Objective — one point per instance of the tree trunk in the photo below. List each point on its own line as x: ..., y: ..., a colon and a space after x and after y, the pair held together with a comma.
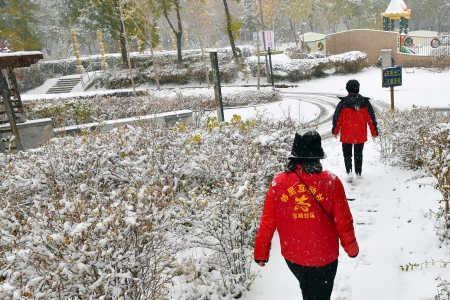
x: 311, y: 24
x: 123, y: 44
x: 177, y: 32
x: 294, y: 33
x: 179, y: 36
x: 229, y: 29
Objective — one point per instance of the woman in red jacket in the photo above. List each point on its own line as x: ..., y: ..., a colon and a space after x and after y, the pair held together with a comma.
x: 308, y: 208
x: 353, y: 113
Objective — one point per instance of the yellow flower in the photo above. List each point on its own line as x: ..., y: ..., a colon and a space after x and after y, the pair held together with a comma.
x: 236, y: 119
x: 182, y: 127
x: 195, y: 139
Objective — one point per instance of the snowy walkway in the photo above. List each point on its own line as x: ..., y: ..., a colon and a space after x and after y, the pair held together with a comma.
x: 392, y: 230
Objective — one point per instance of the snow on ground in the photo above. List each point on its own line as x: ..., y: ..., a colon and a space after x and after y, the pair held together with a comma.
x: 29, y: 96
x: 421, y: 87
x: 276, y: 111
x: 41, y: 91
x: 172, y: 91
x: 392, y: 228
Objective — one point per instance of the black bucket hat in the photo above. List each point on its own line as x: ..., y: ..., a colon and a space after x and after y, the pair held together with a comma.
x: 308, y: 145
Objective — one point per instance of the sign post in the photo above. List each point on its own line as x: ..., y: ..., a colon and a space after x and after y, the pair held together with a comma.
x: 269, y: 36
x: 392, y: 77
x: 270, y: 66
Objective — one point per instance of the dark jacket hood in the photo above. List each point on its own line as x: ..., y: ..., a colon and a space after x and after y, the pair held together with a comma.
x: 354, y: 101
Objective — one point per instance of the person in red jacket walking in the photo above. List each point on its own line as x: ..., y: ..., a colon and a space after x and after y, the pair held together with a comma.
x: 309, y: 209
x: 353, y: 113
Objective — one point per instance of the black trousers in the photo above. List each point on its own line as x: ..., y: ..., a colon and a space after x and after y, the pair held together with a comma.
x: 347, y: 149
x: 316, y: 283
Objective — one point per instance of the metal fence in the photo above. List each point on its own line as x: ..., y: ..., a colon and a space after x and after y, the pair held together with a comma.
x: 425, y: 46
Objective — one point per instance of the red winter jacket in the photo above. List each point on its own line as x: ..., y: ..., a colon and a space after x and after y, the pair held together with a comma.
x: 308, y: 231
x: 352, y: 115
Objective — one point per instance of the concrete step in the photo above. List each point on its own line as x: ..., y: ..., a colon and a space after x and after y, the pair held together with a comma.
x: 64, y: 85
x: 68, y: 82
x: 58, y: 92
x: 71, y: 80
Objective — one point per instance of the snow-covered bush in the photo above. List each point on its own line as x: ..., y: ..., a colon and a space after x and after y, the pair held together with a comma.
x: 443, y: 289
x: 121, y: 214
x: 66, y: 112
x: 402, y: 134
x: 139, y: 60
x: 437, y: 147
x: 421, y: 138
x: 78, y: 223
x: 36, y: 75
x: 199, y: 72
x: 297, y: 53
x: 300, y: 69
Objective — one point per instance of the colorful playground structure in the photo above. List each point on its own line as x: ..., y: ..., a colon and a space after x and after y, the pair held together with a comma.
x: 425, y: 43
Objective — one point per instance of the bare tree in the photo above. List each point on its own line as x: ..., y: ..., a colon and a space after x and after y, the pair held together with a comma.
x: 167, y: 6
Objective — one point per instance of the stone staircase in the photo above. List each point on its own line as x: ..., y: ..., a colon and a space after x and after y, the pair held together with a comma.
x: 64, y: 85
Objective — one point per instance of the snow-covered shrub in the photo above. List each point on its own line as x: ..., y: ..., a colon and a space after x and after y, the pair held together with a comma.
x: 402, y: 133
x: 300, y: 69
x: 63, y: 67
x: 199, y: 72
x: 421, y: 138
x: 223, y: 212
x: 77, y: 222
x: 437, y: 147
x: 296, y: 53
x: 350, y: 62
x: 36, y: 75
x: 251, y: 97
x: 120, y: 215
x: 443, y: 289
x: 66, y: 112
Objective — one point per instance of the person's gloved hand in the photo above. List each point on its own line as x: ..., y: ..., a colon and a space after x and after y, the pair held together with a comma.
x: 353, y: 256
x: 261, y: 263
x: 352, y: 250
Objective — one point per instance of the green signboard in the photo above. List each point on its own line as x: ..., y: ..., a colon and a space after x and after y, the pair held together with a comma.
x: 392, y: 76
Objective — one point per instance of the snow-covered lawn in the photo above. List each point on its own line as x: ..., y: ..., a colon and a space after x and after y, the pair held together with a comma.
x: 71, y: 111
x: 393, y: 226
x: 277, y: 111
x: 421, y: 87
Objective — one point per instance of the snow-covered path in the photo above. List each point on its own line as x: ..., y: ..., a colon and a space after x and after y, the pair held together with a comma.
x: 392, y: 228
